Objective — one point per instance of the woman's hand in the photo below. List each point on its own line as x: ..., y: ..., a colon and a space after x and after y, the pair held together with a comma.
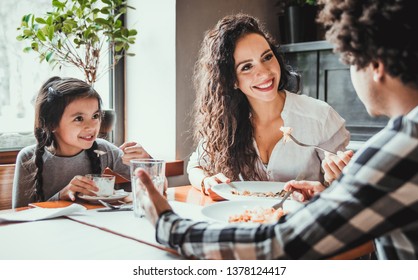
x: 333, y: 165
x: 132, y: 150
x: 153, y: 203
x: 209, y: 182
x: 79, y: 184
x: 303, y: 190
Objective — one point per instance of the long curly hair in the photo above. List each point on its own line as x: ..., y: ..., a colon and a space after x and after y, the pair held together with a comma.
x: 375, y: 30
x: 222, y: 113
x: 53, y: 97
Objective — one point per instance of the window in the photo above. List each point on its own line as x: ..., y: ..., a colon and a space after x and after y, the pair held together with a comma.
x: 21, y: 76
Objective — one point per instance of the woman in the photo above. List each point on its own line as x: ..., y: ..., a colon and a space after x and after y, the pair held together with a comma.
x: 243, y: 100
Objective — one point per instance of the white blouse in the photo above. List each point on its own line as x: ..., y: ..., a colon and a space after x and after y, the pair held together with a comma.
x: 313, y: 122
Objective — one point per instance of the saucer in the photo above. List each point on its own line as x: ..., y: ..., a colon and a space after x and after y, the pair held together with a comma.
x: 113, y: 198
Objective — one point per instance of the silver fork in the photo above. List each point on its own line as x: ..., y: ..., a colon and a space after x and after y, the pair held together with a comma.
x: 280, y: 204
x: 110, y: 207
x: 306, y: 145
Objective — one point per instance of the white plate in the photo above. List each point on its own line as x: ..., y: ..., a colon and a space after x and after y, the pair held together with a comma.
x: 221, y: 211
x: 120, y: 194
x: 225, y: 190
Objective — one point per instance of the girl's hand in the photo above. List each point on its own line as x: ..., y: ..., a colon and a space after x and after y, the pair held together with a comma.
x: 79, y: 184
x: 132, y: 150
x: 333, y: 165
x: 209, y: 182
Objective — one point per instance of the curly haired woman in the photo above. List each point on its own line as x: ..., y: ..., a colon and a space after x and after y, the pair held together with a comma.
x: 243, y: 98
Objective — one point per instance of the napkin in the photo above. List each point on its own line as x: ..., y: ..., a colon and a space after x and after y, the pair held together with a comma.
x: 36, y: 214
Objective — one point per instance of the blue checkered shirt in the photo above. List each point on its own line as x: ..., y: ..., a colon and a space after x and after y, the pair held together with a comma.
x: 376, y: 199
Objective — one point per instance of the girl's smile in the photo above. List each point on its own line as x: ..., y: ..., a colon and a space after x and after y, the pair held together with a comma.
x: 79, y: 127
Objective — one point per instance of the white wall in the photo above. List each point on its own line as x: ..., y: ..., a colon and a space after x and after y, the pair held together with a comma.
x: 151, y: 78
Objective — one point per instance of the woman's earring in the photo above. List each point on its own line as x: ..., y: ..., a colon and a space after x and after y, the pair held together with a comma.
x: 376, y: 77
x: 235, y: 87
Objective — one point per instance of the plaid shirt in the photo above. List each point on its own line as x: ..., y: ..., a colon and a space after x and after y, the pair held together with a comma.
x: 375, y: 198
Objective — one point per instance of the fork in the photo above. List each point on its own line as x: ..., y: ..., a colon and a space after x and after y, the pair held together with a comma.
x: 108, y: 205
x: 280, y: 204
x: 100, y: 152
x: 306, y: 145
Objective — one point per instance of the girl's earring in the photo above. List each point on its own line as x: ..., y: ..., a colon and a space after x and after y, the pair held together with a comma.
x: 235, y: 87
x: 376, y: 77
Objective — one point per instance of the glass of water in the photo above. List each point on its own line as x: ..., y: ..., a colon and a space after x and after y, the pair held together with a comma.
x: 156, y: 170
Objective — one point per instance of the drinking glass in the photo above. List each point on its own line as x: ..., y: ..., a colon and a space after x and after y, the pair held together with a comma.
x: 156, y: 170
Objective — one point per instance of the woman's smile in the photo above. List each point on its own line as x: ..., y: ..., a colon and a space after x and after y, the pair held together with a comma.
x: 265, y: 86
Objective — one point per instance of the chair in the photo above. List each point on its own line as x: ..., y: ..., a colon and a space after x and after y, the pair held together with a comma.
x: 6, y: 185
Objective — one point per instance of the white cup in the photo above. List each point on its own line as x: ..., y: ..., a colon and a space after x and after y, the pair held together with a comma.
x: 156, y: 170
x: 105, y: 183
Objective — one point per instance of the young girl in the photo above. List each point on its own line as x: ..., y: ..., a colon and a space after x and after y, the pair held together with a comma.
x: 243, y: 98
x: 67, y: 122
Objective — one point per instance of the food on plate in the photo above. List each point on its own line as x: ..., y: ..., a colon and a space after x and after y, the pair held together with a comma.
x: 259, y: 194
x: 286, y: 132
x: 258, y: 215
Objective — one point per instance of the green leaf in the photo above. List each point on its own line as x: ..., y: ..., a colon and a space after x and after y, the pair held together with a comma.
x: 125, y: 32
x: 48, y: 56
x: 50, y: 32
x: 40, y: 20
x: 27, y: 49
x: 71, y: 22
x: 34, y: 46
x: 118, y: 47
x: 101, y: 21
x: 41, y: 36
x: 49, y: 20
x: 26, y: 18
x: 27, y: 32
x: 130, y: 54
x: 105, y: 11
x: 133, y: 32
x: 58, y: 4
x: 41, y: 57
x: 79, y: 13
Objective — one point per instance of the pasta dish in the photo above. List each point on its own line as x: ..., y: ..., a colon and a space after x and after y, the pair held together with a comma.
x: 259, y: 194
x: 258, y: 215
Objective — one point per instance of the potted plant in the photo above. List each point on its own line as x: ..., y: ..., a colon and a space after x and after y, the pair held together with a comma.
x: 298, y: 20
x: 80, y: 33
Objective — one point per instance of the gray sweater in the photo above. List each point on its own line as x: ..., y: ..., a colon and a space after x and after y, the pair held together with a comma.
x: 59, y: 171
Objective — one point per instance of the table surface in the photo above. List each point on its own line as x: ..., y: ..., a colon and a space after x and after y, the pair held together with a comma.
x: 91, y: 234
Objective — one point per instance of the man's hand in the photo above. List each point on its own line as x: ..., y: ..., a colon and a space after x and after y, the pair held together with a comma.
x: 150, y: 198
x: 303, y: 190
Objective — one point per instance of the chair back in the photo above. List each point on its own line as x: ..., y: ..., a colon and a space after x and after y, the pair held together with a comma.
x: 7, y: 172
